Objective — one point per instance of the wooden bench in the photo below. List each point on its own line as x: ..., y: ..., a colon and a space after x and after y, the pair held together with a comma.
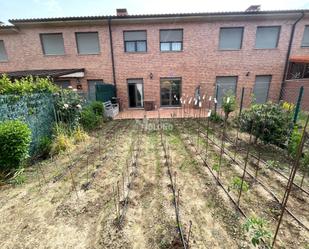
x: 110, y: 110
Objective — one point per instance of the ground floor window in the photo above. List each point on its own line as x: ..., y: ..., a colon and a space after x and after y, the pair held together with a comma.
x: 92, y: 88
x: 225, y: 85
x: 63, y: 83
x: 170, y: 91
x: 261, y: 87
x: 298, y: 71
x: 136, y: 93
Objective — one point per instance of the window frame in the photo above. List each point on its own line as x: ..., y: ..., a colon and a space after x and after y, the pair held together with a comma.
x: 127, y: 81
x: 301, y: 45
x: 180, y: 93
x: 171, y: 42
x: 135, y: 41
x: 241, y: 41
x: 87, y: 32
x: 42, y: 44
x: 271, y: 26
x: 304, y: 65
x: 5, y: 53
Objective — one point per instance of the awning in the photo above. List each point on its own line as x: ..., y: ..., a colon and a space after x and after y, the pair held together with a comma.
x: 53, y: 73
x: 300, y: 58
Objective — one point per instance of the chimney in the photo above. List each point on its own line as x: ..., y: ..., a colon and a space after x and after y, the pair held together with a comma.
x: 253, y: 8
x: 122, y: 12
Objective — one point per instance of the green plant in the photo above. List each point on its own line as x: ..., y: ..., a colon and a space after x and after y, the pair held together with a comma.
x: 257, y: 230
x: 15, y: 138
x: 304, y: 164
x: 268, y: 122
x: 214, y: 117
x: 79, y: 135
x: 68, y: 105
x: 26, y: 85
x: 294, y: 142
x: 18, y: 177
x: 61, y: 139
x: 228, y: 104
x: 97, y: 107
x: 89, y: 120
x: 44, y: 147
x: 236, y: 184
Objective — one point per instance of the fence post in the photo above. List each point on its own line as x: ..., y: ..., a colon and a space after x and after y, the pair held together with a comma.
x: 241, y: 100
x: 216, y: 104
x: 297, y: 108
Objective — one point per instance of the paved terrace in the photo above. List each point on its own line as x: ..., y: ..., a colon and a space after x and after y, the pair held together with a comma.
x: 163, y: 112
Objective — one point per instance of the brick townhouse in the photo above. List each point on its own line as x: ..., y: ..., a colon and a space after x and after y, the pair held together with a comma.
x: 162, y: 57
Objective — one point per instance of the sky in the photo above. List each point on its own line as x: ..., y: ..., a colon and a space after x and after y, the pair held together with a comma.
x: 14, y: 9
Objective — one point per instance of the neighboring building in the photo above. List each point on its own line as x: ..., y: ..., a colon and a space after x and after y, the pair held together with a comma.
x: 163, y: 57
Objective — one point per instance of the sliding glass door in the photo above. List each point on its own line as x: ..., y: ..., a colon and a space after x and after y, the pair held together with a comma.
x: 170, y: 91
x: 136, y: 93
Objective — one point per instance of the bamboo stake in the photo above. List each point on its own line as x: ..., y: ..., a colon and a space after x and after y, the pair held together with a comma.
x: 189, y: 234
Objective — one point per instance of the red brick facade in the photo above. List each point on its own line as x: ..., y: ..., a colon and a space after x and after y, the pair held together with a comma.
x: 198, y: 64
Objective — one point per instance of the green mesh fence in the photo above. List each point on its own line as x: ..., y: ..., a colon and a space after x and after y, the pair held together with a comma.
x: 37, y: 110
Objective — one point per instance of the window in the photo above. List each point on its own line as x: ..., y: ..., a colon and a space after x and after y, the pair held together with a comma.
x: 171, y: 40
x: 3, y: 54
x: 92, y: 88
x: 230, y: 38
x: 63, y: 83
x: 267, y: 37
x: 305, y: 41
x: 170, y: 91
x: 87, y: 43
x: 52, y: 44
x: 225, y: 85
x: 261, y: 87
x: 135, y: 41
x: 298, y: 71
x: 135, y: 91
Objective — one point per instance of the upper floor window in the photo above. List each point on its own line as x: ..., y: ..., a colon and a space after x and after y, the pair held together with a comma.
x: 305, y: 41
x: 87, y: 42
x: 267, y: 37
x: 171, y: 40
x: 52, y: 44
x: 231, y: 38
x: 3, y: 54
x: 298, y: 71
x: 135, y: 41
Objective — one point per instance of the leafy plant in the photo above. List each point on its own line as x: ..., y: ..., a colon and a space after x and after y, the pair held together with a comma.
x: 304, y: 164
x: 89, y: 120
x: 268, y: 122
x: 44, y: 147
x: 15, y: 138
x: 236, y: 184
x: 228, y: 104
x: 68, y: 104
x: 294, y: 142
x: 97, y: 107
x: 26, y: 85
x: 214, y: 117
x: 257, y: 230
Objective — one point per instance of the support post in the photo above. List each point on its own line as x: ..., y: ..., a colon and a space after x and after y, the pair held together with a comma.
x: 297, y: 108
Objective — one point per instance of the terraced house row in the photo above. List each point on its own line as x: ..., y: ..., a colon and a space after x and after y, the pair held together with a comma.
x: 159, y: 58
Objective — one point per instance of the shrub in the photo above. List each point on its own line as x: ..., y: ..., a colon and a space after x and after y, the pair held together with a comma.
x: 271, y: 122
x: 44, y: 147
x: 89, y: 120
x: 15, y: 138
x: 68, y: 104
x: 26, y: 85
x: 228, y: 104
x: 214, y: 117
x: 97, y: 108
